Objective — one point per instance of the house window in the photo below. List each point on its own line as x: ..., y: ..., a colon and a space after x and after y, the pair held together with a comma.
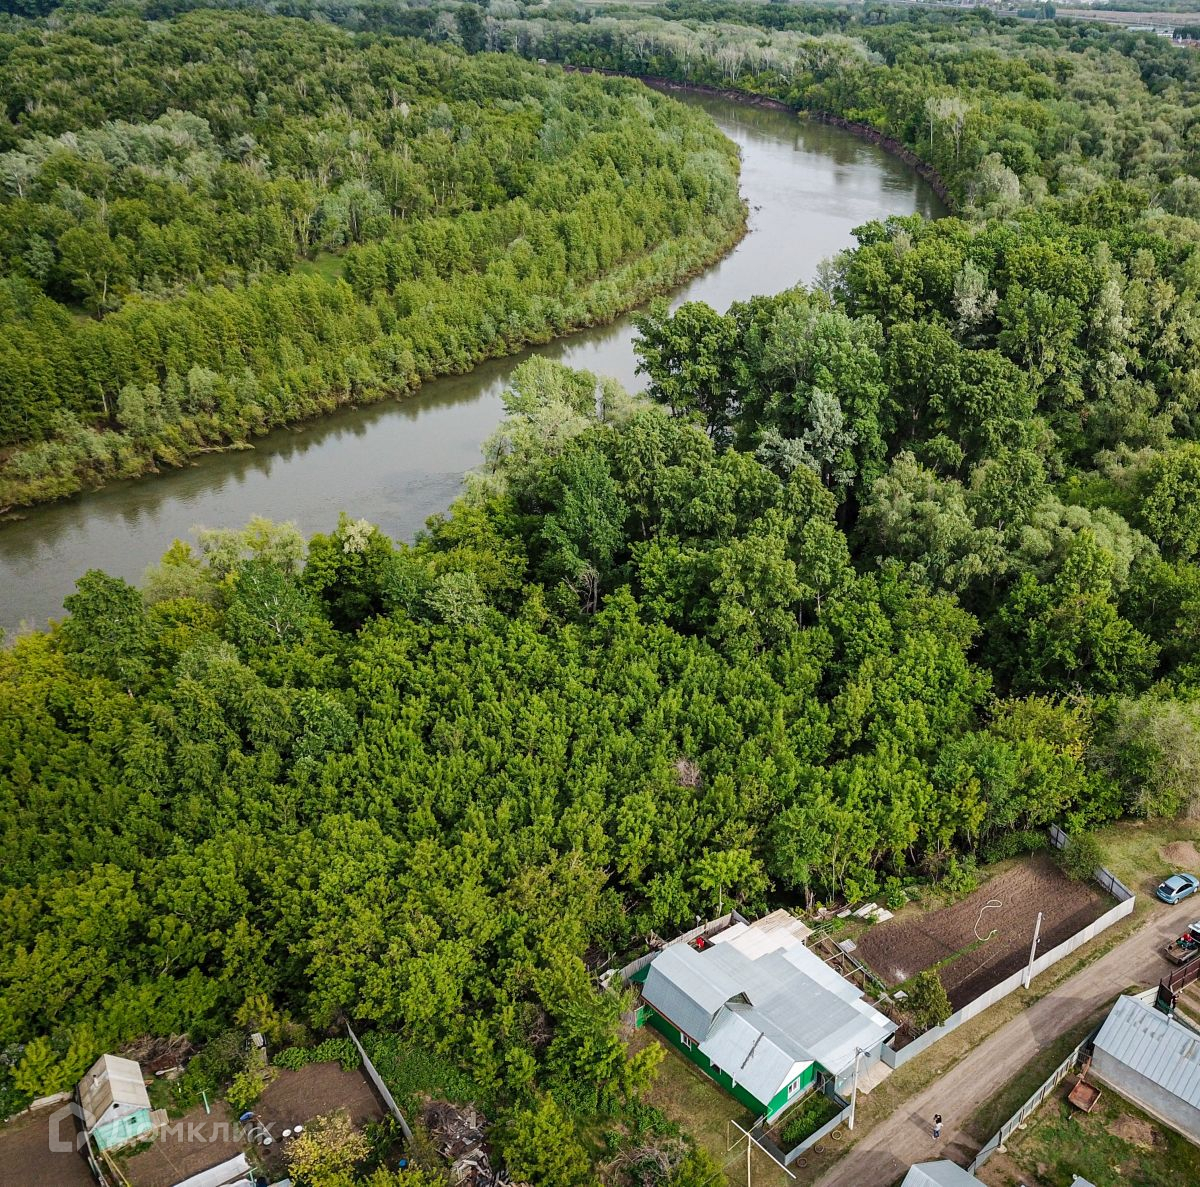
x: 794, y: 1087
x: 685, y: 1041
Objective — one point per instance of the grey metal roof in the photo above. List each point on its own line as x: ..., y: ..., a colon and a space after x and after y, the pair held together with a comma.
x: 939, y: 1174
x: 802, y: 1008
x: 739, y: 1046
x: 687, y: 994
x: 1154, y: 1046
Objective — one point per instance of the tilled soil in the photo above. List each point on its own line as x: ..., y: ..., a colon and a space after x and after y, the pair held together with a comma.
x: 1007, y: 905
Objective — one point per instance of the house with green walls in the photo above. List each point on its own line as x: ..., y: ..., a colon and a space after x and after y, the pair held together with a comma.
x: 114, y: 1101
x: 762, y: 1015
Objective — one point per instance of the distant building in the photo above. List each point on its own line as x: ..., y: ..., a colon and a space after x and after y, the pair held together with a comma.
x: 1153, y: 1061
x: 939, y: 1174
x: 116, y: 1108
x: 763, y: 1016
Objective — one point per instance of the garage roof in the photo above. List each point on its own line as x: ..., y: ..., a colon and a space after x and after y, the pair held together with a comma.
x: 1154, y: 1046
x: 939, y: 1174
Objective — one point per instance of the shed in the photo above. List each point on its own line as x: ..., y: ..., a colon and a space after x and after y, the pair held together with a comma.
x: 116, y: 1108
x: 943, y: 1173
x: 1153, y: 1061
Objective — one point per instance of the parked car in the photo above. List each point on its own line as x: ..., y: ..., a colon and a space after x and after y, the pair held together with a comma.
x: 1177, y: 887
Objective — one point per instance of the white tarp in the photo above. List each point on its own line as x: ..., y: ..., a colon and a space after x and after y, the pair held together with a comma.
x: 237, y: 1169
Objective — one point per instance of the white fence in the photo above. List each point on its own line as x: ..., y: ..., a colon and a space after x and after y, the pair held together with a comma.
x: 380, y: 1086
x: 1059, y: 1074
x: 1125, y: 903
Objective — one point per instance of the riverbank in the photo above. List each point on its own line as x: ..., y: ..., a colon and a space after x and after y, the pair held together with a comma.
x: 105, y: 455
x: 867, y: 132
x: 397, y: 462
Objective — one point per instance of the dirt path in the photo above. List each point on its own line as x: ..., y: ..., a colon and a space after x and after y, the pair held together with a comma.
x: 882, y: 1156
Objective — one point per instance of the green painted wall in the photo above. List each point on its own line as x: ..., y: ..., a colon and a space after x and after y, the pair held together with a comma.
x: 770, y: 1108
x: 722, y: 1078
x: 109, y: 1134
x: 781, y: 1100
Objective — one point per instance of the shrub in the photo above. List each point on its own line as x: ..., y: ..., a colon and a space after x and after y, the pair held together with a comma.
x: 928, y: 1002
x: 1079, y: 857
x: 247, y: 1087
x: 894, y: 894
x: 343, y: 1050
x: 1013, y: 844
x: 961, y: 878
x: 806, y: 1118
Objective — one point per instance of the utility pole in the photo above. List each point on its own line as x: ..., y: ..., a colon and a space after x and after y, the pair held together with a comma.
x: 751, y: 1140
x: 1033, y: 950
x: 854, y: 1090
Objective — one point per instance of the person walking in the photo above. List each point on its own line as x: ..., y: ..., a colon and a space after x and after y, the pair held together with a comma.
x: 937, y: 1126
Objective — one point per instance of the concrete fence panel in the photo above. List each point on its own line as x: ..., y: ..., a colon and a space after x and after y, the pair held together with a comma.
x: 380, y: 1087
x: 1125, y: 904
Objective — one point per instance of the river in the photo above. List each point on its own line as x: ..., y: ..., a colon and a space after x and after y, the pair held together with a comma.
x: 399, y: 462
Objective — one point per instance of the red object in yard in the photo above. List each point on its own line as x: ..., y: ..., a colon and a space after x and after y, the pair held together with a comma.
x: 701, y: 943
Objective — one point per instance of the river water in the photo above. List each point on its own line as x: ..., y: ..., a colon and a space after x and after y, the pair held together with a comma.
x: 399, y: 462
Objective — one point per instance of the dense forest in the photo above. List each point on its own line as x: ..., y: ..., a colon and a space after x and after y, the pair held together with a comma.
x: 880, y: 579
x: 223, y: 223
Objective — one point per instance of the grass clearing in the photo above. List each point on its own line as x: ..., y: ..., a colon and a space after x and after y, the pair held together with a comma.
x: 1132, y: 850
x: 690, y: 1099
x: 325, y: 264
x: 986, y: 1120
x: 1115, y: 1145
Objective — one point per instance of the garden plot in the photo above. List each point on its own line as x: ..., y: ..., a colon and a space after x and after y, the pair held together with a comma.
x: 978, y: 942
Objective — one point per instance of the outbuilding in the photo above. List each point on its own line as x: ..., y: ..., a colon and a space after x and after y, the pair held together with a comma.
x: 115, y: 1105
x: 1153, y: 1061
x: 943, y: 1173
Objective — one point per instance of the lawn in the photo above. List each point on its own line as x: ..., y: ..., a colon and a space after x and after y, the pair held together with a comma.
x: 697, y: 1105
x: 1142, y: 853
x: 1116, y: 1145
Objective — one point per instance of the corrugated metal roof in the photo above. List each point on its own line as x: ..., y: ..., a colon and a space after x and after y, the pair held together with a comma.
x: 230, y: 1173
x: 740, y: 1048
x: 1154, y: 1046
x: 790, y: 996
x: 939, y: 1174
x: 112, y: 1088
x: 690, y: 994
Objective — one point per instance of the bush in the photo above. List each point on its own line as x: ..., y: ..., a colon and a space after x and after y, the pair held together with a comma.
x: 807, y: 1118
x: 961, y: 878
x: 928, y: 1002
x: 894, y: 894
x: 1079, y: 857
x: 1013, y: 844
x: 343, y: 1050
x: 247, y: 1087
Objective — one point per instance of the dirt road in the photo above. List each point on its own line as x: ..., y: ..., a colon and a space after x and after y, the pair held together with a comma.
x: 882, y: 1156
